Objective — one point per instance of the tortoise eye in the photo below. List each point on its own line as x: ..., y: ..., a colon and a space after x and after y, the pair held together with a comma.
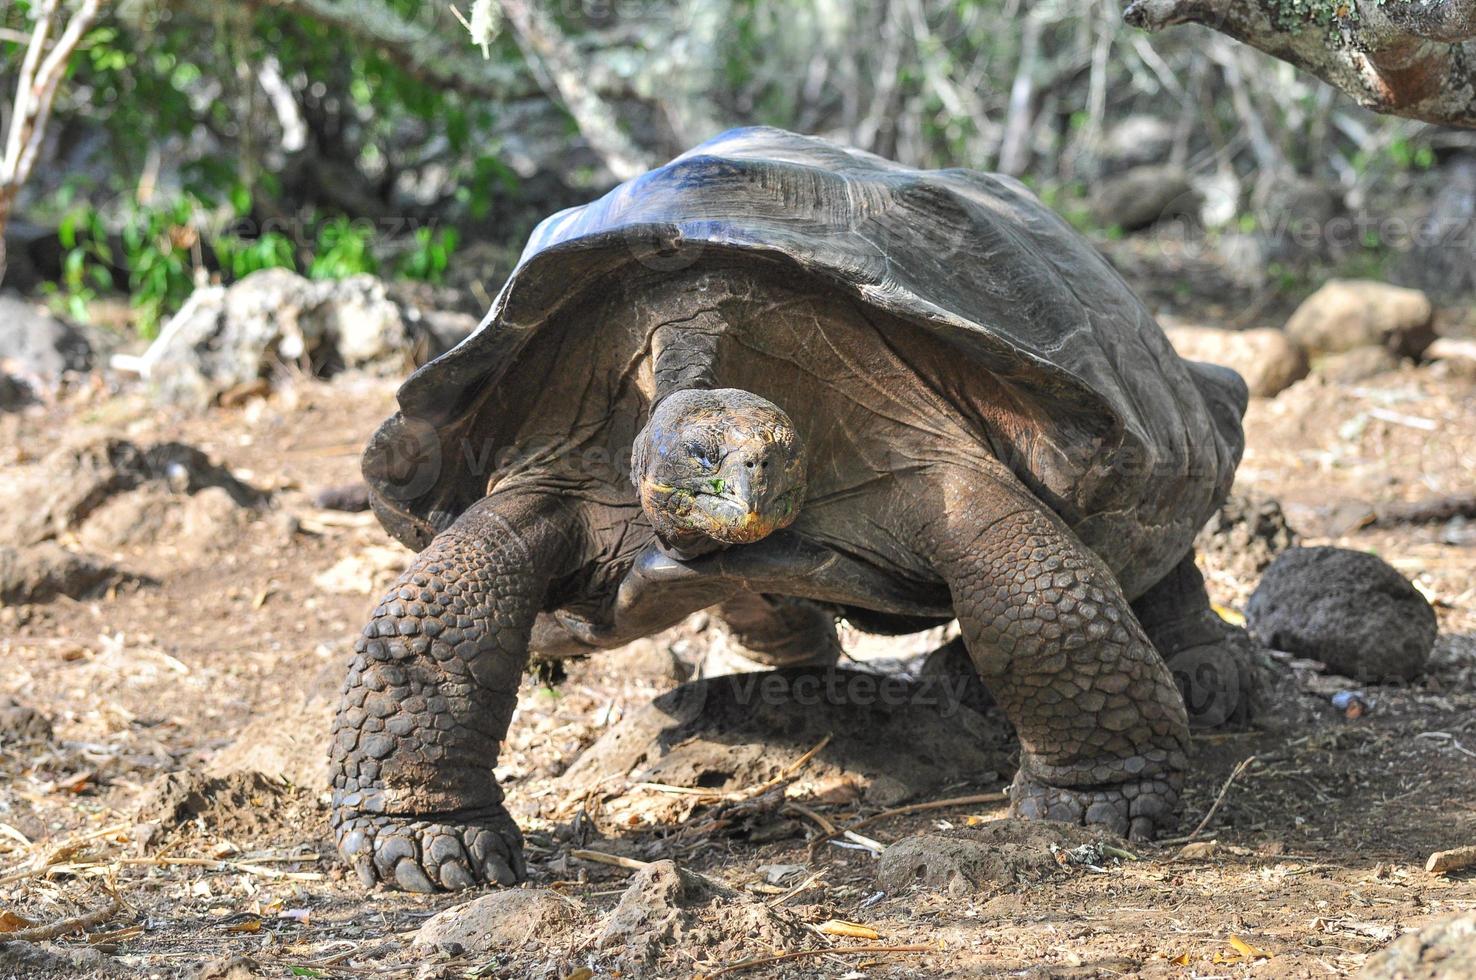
x: 701, y: 453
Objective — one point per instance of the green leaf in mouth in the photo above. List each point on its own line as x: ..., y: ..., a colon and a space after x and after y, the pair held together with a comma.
x: 717, y: 485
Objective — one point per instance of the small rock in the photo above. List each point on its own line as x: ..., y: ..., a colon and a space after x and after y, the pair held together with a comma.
x: 15, y: 393
x: 1349, y: 609
x: 1267, y: 359
x: 1145, y: 196
x: 502, y: 921
x: 1349, y: 313
x: 998, y: 856
x: 43, y: 572
x: 1443, y: 950
x: 1358, y: 364
x: 230, y: 968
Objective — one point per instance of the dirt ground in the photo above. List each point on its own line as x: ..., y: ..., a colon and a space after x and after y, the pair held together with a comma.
x: 218, y: 665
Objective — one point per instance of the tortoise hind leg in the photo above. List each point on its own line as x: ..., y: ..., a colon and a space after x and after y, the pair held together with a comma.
x: 781, y: 631
x: 1210, y: 669
x: 429, y: 696
x: 1102, y: 728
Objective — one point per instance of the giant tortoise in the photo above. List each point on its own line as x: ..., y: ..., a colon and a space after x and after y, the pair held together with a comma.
x: 795, y: 382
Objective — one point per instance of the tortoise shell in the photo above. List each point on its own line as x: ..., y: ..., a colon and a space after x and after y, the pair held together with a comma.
x: 1092, y: 408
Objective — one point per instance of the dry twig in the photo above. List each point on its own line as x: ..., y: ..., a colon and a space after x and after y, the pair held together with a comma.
x: 614, y: 860
x: 975, y: 800
x: 63, y: 926
x: 1215, y: 806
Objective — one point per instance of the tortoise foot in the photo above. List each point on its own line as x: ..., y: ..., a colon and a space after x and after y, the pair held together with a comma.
x: 432, y: 855
x: 1136, y: 810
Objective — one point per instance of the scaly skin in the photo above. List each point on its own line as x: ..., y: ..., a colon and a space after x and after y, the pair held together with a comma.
x: 1102, y: 727
x: 780, y: 631
x: 1211, y: 673
x: 429, y: 695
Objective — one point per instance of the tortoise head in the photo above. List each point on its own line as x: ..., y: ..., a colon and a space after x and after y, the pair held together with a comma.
x: 718, y: 467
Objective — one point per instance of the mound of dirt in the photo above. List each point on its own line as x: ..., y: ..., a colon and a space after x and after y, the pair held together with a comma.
x: 664, y: 905
x: 890, y: 739
x: 45, y: 571
x: 1001, y: 856
x: 74, y: 482
x: 1444, y: 949
x: 22, y: 723
x: 502, y: 922
x: 1245, y: 536
x: 287, y: 743
x: 240, y: 807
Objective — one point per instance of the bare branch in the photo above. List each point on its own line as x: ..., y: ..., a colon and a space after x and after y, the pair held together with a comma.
x: 544, y: 45
x: 41, y: 72
x: 1406, y: 59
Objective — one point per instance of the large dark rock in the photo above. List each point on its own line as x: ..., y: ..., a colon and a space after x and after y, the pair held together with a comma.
x: 1145, y: 196
x: 1348, y: 609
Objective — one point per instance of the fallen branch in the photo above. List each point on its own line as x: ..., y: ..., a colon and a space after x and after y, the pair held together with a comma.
x: 840, y: 951
x: 1456, y: 859
x: 63, y: 926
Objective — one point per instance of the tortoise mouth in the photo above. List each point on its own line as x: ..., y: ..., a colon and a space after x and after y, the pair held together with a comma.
x: 726, y: 517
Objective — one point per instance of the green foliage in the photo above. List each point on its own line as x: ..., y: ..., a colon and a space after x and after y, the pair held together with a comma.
x: 431, y: 255
x: 343, y: 249
x: 240, y: 257
x: 155, y: 250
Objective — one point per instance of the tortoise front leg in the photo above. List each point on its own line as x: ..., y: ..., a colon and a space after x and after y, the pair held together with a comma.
x: 1102, y: 729
x: 429, y: 696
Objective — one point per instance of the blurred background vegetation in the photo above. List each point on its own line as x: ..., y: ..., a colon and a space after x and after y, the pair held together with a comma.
x: 199, y: 141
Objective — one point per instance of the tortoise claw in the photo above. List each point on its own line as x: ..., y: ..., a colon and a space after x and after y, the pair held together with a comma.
x: 1136, y: 809
x: 431, y: 855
